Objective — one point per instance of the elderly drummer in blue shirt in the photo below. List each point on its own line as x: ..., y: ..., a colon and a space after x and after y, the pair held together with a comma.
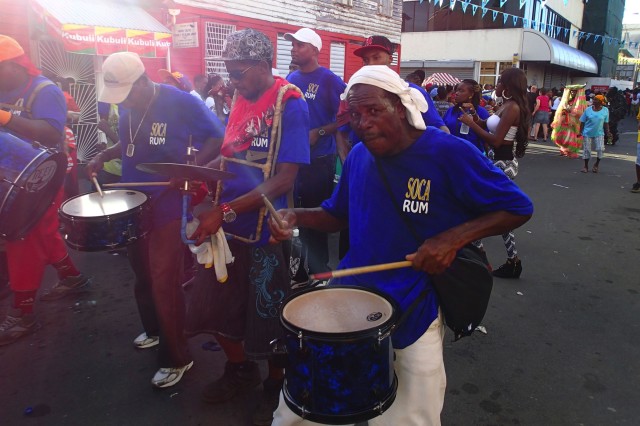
x: 406, y: 179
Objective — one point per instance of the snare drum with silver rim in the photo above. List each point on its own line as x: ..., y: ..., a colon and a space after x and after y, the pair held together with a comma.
x: 340, y: 356
x: 90, y: 222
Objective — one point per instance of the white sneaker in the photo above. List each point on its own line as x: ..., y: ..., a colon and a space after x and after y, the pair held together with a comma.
x: 143, y: 341
x: 166, y: 377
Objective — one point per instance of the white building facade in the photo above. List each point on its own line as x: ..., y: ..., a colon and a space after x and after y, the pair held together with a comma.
x: 438, y: 38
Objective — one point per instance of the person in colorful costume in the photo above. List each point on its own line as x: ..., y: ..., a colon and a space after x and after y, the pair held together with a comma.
x: 566, y: 123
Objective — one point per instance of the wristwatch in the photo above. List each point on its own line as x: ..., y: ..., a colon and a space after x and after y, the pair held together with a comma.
x: 321, y: 132
x: 228, y: 215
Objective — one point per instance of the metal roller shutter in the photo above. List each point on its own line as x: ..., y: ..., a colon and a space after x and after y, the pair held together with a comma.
x: 283, y: 55
x: 336, y: 61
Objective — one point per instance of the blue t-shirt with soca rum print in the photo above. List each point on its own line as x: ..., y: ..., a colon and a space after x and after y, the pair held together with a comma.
x: 437, y: 183
x: 321, y: 89
x: 163, y: 137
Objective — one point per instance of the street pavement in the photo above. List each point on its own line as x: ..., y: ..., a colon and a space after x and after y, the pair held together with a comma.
x: 559, y: 347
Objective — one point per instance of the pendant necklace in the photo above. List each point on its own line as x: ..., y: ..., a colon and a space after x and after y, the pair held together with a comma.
x: 131, y: 147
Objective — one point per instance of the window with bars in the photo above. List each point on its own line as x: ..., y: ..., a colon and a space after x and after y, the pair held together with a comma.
x: 215, y: 35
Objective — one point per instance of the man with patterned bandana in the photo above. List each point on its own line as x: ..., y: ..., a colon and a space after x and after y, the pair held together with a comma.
x: 265, y: 142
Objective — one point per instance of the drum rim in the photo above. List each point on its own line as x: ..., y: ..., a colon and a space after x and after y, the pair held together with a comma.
x: 70, y: 217
x: 322, y: 335
x: 60, y: 159
x: 343, y: 419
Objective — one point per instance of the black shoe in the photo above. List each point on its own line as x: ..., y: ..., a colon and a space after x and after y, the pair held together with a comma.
x: 237, y: 378
x: 511, y: 269
x: 636, y: 187
x: 268, y: 402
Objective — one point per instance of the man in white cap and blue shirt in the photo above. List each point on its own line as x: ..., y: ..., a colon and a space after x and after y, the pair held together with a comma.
x: 159, y: 123
x: 321, y: 89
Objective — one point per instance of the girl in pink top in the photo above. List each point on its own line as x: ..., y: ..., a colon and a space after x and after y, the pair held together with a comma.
x: 541, y: 113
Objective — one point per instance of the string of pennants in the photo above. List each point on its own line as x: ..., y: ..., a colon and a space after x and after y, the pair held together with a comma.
x: 531, y: 23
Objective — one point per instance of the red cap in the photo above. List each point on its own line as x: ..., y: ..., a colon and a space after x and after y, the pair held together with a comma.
x: 375, y: 42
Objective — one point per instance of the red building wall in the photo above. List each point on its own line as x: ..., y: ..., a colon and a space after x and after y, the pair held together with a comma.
x: 190, y: 61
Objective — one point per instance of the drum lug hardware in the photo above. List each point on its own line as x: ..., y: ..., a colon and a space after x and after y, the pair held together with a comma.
x: 300, y: 338
x: 131, y: 231
x: 382, y: 336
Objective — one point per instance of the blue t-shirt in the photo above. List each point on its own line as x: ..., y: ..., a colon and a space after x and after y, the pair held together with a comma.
x: 322, y: 90
x: 163, y: 137
x: 49, y: 104
x: 594, y: 121
x: 451, y: 121
x: 438, y: 182
x: 431, y: 117
x: 294, y: 148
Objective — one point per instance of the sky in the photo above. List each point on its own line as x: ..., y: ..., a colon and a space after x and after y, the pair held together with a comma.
x: 631, y: 12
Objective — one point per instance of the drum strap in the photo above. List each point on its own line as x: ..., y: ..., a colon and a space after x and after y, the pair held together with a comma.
x: 32, y: 97
x: 406, y: 221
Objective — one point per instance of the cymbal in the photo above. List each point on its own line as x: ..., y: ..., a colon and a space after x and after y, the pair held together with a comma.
x: 185, y: 171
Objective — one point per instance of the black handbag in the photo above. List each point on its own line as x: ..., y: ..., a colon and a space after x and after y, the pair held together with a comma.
x: 463, y: 289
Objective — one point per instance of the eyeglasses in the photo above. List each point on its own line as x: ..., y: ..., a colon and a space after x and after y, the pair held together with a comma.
x: 239, y: 75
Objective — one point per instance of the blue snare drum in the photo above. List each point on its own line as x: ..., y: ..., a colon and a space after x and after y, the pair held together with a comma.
x: 90, y: 222
x: 30, y: 178
x: 340, y: 358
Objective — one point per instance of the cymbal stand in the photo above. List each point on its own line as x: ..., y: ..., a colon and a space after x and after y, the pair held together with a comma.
x: 186, y: 196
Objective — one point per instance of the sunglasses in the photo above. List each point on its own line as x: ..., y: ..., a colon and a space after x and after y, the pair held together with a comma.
x: 239, y: 75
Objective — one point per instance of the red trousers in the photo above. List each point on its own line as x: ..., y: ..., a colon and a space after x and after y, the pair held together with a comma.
x: 27, y: 258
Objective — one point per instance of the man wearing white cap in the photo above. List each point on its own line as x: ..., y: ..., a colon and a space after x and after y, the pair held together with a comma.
x: 322, y: 89
x: 159, y: 124
x: 405, y: 179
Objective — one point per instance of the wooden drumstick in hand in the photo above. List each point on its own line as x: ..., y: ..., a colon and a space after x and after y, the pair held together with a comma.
x: 95, y: 182
x: 272, y: 210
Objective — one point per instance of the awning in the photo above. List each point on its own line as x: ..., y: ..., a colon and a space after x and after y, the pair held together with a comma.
x: 539, y: 47
x: 103, y: 27
x: 442, y: 78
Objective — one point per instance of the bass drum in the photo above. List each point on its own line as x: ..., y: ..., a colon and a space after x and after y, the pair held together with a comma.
x: 30, y: 178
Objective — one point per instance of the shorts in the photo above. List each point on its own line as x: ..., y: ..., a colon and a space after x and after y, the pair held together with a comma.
x: 245, y: 307
x: 541, y: 117
x: 638, y: 152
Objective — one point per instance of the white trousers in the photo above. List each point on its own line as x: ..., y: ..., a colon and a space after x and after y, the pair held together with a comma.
x: 421, y: 386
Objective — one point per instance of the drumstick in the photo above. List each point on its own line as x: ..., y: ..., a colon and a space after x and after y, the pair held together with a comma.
x: 95, y: 182
x: 360, y: 270
x: 272, y: 210
x: 127, y: 184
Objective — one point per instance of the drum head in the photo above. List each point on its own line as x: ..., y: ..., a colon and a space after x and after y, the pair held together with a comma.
x: 338, y: 310
x: 93, y: 205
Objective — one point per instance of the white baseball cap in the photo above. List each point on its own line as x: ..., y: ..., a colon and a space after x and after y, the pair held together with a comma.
x: 306, y: 35
x: 119, y: 71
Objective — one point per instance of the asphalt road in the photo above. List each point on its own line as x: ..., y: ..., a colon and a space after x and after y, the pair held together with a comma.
x: 560, y: 347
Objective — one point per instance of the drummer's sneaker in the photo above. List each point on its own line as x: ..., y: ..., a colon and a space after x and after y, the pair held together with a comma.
x: 143, y: 341
x: 268, y: 402
x: 64, y: 287
x: 166, y: 377
x: 16, y: 325
x: 237, y: 377
x: 636, y: 187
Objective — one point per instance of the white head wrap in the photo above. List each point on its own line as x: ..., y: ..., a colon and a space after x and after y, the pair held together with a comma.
x: 387, y: 79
